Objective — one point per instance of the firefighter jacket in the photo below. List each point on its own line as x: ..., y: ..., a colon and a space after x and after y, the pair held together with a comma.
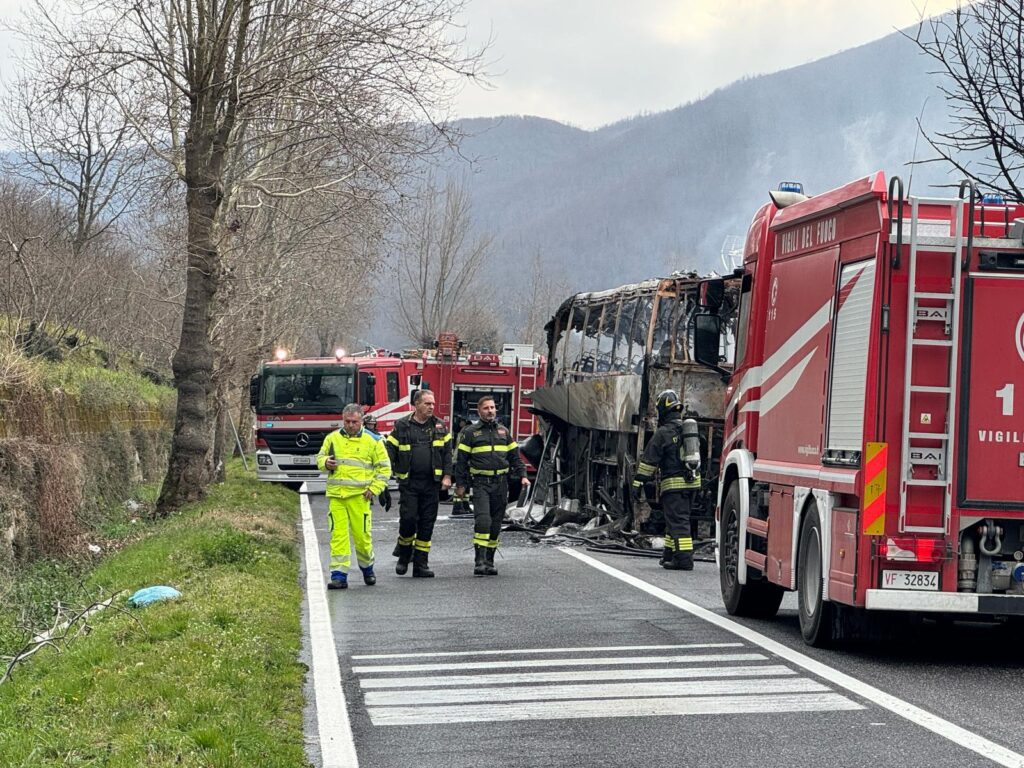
x: 400, y: 447
x: 486, y: 449
x: 664, y: 452
x: 362, y: 463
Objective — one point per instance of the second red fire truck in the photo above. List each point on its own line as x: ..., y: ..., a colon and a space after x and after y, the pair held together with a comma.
x: 873, y: 457
x: 298, y: 402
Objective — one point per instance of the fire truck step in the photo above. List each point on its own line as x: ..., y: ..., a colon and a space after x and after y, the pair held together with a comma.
x: 927, y: 483
x: 934, y: 390
x: 928, y: 436
x: 922, y: 529
x: 757, y: 527
x: 935, y: 296
x: 931, y: 342
x: 938, y: 244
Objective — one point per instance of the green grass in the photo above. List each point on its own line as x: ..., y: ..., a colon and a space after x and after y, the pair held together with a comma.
x: 209, y: 680
x: 29, y: 594
x: 104, y: 388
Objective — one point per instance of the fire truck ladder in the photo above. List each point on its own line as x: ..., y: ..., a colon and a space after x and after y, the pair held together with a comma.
x: 527, y: 382
x: 931, y: 246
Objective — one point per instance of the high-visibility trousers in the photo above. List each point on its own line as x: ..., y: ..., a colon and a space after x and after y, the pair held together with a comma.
x: 417, y: 513
x: 352, y: 513
x: 490, y: 498
x: 676, y: 507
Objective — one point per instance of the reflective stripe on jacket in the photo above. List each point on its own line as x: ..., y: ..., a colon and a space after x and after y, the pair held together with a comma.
x: 486, y: 449
x: 399, y: 445
x: 362, y: 463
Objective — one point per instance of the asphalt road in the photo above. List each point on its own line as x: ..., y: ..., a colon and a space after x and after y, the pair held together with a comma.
x: 558, y: 661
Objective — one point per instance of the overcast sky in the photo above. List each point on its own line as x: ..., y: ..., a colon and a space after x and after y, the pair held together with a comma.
x: 591, y: 62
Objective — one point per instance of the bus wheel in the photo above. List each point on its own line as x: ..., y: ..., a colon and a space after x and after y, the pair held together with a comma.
x: 756, y: 599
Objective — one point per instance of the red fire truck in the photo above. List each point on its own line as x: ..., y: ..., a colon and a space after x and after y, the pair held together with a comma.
x: 297, y: 402
x: 873, y: 457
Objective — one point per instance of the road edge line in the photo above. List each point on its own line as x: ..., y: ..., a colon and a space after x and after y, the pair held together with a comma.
x: 944, y: 728
x: 337, y: 742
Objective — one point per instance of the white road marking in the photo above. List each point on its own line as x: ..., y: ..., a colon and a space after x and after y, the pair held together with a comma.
x: 337, y: 745
x: 534, y: 663
x: 610, y: 708
x: 944, y: 728
x: 513, y: 651
x: 437, y: 681
x: 672, y: 689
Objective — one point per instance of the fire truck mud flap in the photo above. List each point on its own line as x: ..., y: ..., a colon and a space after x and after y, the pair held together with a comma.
x: 944, y: 602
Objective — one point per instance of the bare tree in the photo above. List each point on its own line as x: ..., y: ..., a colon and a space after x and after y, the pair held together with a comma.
x: 536, y: 302
x: 441, y: 268
x: 979, y: 50
x: 228, y: 94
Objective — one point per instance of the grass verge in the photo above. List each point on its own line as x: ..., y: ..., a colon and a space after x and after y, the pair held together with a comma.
x: 212, y: 679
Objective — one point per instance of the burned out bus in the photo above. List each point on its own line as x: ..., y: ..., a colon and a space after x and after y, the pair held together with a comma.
x: 609, y: 354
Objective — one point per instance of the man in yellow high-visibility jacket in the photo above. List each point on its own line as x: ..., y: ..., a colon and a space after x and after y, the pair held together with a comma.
x: 358, y: 469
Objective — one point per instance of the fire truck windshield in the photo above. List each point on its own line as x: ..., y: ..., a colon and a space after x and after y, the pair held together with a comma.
x: 306, y: 388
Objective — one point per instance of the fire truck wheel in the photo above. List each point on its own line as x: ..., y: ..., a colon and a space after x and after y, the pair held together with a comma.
x: 757, y: 598
x: 817, y: 619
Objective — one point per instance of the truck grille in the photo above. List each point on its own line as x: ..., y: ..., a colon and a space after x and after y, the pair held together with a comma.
x: 290, y: 441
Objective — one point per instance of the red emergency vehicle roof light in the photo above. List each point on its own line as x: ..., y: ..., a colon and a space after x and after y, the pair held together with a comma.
x: 339, y: 353
x: 281, y: 353
x: 911, y: 550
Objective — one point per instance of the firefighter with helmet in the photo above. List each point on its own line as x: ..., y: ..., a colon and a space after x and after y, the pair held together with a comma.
x: 675, y: 450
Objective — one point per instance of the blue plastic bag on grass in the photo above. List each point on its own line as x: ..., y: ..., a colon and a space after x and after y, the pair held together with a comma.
x: 151, y: 595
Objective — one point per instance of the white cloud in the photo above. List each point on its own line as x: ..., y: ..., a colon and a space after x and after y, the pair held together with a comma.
x: 591, y: 63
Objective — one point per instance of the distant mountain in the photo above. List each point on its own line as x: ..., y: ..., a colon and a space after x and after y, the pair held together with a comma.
x: 659, y: 192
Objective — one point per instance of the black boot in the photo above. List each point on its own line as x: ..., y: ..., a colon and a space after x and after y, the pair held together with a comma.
x: 666, y: 556
x: 682, y: 561
x: 480, y: 568
x: 489, y: 561
x: 404, y: 556
x: 420, y: 569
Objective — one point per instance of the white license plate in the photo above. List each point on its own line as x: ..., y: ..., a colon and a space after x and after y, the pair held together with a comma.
x: 302, y: 459
x: 925, y: 580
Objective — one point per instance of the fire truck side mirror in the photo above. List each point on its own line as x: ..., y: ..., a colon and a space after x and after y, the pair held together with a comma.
x: 707, y: 338
x: 367, y: 389
x: 254, y: 391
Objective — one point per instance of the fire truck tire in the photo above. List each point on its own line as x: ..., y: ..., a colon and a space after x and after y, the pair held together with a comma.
x: 818, y: 618
x: 755, y: 599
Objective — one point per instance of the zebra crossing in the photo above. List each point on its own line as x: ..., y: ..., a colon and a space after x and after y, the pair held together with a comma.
x: 570, y: 683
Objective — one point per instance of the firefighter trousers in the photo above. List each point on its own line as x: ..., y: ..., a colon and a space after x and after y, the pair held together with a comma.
x: 490, y: 500
x: 675, y: 505
x: 352, y: 513
x: 417, y: 513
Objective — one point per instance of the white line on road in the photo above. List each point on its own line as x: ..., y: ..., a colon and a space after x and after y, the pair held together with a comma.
x: 610, y: 708
x: 337, y: 745
x: 513, y: 651
x: 958, y: 735
x: 436, y: 681
x: 534, y: 663
x: 673, y: 689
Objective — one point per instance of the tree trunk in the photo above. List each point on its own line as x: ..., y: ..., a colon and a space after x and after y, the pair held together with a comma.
x: 187, y: 473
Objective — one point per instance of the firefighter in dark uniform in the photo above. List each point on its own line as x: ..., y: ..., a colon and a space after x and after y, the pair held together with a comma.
x: 675, y: 450
x: 487, y: 458
x: 420, y: 450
